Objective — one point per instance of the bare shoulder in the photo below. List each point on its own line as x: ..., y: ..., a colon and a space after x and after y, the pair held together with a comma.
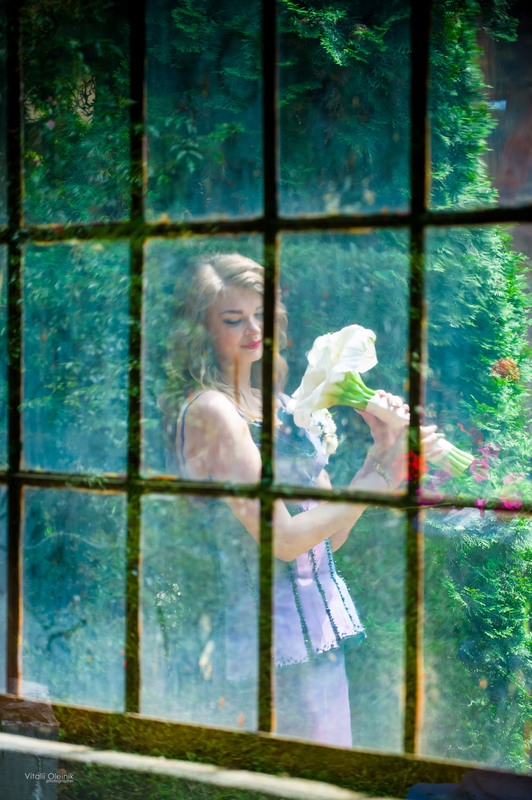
x: 212, y: 417
x: 213, y: 407
x: 216, y: 441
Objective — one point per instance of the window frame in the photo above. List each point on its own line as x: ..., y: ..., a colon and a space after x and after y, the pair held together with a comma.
x: 129, y: 730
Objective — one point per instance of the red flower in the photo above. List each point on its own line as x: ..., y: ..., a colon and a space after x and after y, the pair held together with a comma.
x: 412, y: 464
x: 506, y: 368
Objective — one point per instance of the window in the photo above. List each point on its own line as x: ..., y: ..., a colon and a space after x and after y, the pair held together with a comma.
x: 129, y: 169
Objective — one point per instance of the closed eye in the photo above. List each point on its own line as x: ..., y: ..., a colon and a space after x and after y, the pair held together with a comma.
x: 231, y: 321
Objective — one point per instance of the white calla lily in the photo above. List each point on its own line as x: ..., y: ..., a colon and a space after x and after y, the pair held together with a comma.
x: 333, y: 378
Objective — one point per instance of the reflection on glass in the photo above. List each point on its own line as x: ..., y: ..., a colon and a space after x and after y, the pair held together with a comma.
x: 480, y: 106
x: 330, y: 281
x: 204, y: 107
x: 478, y: 667
x: 338, y: 674
x: 479, y: 365
x: 75, y: 357
x: 199, y: 612
x: 74, y: 636
x: 183, y: 357
x: 344, y: 90
x: 3, y: 586
x: 76, y: 116
x: 3, y: 358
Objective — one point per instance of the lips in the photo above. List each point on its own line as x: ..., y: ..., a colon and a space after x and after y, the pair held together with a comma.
x: 253, y: 345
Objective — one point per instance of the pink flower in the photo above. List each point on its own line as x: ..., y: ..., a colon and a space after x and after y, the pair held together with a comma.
x: 511, y: 505
x: 480, y: 469
x: 440, y: 476
x: 489, y: 450
x: 50, y: 124
x: 481, y: 505
x: 512, y: 477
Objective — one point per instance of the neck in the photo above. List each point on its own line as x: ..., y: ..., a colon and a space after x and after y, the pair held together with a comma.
x: 239, y: 378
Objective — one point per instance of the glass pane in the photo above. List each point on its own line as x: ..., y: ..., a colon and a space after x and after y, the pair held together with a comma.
x: 344, y: 92
x: 330, y: 282
x: 182, y: 357
x: 76, y: 331
x: 205, y: 109
x: 3, y: 587
x: 478, y: 387
x: 199, y: 612
x: 480, y: 105
x: 478, y: 666
x: 74, y: 636
x: 3, y: 359
x: 339, y: 672
x: 3, y: 119
x: 76, y: 112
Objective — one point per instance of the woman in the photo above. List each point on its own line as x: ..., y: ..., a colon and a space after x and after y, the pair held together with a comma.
x: 217, y: 436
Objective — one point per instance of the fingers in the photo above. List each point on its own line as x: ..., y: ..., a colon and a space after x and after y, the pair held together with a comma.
x: 394, y: 401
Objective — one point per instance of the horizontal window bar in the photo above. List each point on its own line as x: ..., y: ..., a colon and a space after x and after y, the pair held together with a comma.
x: 146, y: 230
x: 366, y: 771
x: 210, y: 488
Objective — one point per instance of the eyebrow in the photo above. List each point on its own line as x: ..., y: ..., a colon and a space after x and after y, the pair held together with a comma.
x: 238, y: 311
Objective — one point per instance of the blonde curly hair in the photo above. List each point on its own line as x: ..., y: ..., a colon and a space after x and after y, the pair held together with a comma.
x: 192, y: 362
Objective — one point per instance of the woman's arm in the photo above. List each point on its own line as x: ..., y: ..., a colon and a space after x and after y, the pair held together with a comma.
x: 218, y: 445
x: 340, y: 537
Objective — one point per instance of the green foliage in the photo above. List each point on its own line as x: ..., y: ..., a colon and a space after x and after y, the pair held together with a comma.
x: 74, y: 596
x: 478, y: 594
x: 76, y: 331
x: 76, y: 124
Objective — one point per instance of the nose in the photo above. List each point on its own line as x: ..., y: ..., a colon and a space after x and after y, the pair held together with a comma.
x: 253, y: 325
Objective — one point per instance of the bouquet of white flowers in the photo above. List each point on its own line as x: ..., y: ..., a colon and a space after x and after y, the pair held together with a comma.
x: 333, y: 378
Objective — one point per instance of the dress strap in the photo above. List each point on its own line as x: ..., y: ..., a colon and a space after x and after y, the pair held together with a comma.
x: 182, y: 433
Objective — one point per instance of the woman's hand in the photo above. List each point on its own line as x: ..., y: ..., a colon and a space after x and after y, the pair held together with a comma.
x: 385, y: 437
x: 386, y: 455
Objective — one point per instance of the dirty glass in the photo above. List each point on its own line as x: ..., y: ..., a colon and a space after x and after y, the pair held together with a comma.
x: 344, y: 107
x: 339, y: 634
x: 329, y: 282
x: 204, y: 109
x: 76, y: 331
x: 199, y: 612
x: 76, y: 111
x: 479, y: 98
x: 178, y: 348
x: 477, y: 660
x: 74, y: 636
x: 479, y: 367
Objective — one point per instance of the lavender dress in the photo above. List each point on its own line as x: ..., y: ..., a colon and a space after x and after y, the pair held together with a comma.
x: 314, y: 615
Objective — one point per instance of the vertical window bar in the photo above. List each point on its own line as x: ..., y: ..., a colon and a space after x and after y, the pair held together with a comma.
x: 137, y: 60
x: 419, y: 166
x: 14, y: 331
x: 269, y: 123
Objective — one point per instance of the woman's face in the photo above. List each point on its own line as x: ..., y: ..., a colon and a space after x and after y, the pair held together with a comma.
x: 235, y: 323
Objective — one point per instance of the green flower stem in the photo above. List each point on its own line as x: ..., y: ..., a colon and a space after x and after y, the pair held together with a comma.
x: 352, y: 391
